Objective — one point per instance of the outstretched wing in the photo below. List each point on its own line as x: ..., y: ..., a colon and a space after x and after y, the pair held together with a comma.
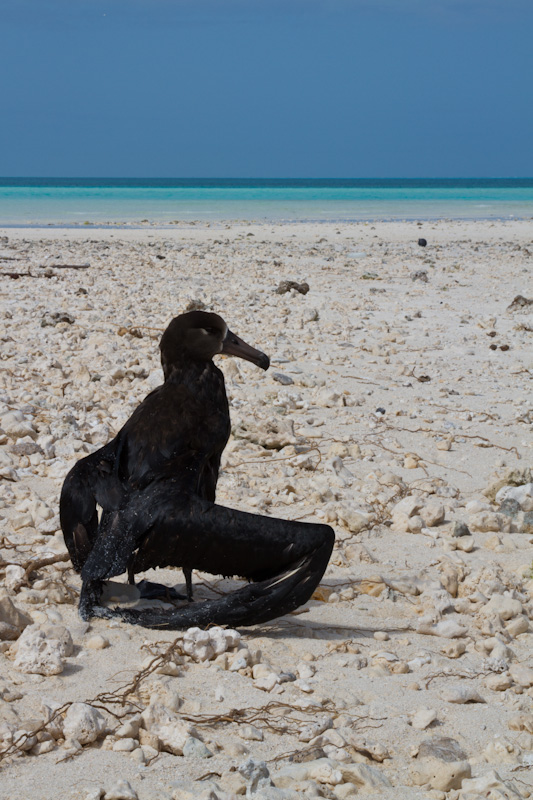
x: 285, y: 559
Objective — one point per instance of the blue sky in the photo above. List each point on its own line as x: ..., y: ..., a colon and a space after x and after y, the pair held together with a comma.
x: 261, y: 88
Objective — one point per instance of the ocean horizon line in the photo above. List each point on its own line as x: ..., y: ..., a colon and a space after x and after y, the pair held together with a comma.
x: 28, y: 180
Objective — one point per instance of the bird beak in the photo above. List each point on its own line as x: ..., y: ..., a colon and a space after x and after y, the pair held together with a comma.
x: 234, y: 346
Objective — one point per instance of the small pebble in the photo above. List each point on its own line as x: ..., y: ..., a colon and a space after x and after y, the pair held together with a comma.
x: 423, y: 718
x: 251, y: 733
x: 125, y: 745
x: 194, y: 748
x: 97, y: 642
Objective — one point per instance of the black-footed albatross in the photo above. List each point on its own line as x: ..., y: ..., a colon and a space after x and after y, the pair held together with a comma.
x: 155, y: 483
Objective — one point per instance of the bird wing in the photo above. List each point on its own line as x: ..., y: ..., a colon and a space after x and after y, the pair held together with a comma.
x: 285, y: 559
x: 89, y: 484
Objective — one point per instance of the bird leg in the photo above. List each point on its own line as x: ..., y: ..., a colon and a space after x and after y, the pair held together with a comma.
x: 187, y: 573
x: 149, y: 590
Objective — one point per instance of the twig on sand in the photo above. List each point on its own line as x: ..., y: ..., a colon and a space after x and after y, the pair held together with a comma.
x: 34, y: 564
x: 65, y: 266
x: 469, y: 675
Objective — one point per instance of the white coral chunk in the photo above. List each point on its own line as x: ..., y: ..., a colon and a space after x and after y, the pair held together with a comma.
x: 83, y: 723
x: 37, y: 654
x: 205, y: 645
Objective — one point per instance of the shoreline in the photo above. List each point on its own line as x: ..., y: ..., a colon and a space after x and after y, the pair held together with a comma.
x: 365, y: 230
x: 162, y: 225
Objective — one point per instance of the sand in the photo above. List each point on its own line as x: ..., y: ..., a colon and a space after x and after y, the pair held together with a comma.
x: 401, y: 377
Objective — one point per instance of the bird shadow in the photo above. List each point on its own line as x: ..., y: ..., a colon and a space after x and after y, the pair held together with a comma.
x: 288, y: 628
x: 71, y: 669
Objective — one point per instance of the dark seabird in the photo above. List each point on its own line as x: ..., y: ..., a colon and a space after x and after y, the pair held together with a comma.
x: 155, y: 484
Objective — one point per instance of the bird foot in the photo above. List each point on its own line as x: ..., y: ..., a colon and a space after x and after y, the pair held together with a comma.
x: 90, y: 594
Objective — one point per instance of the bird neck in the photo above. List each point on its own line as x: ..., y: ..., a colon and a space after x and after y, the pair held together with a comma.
x: 186, y: 369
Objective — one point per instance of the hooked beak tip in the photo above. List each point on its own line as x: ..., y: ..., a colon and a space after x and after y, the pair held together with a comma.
x: 234, y: 346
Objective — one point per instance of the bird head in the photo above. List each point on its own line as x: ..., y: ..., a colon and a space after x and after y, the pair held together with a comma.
x: 200, y: 335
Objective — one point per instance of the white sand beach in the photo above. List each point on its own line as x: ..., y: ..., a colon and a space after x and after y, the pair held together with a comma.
x: 397, y: 404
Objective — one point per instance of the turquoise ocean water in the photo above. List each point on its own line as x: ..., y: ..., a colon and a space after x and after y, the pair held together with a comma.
x: 78, y: 201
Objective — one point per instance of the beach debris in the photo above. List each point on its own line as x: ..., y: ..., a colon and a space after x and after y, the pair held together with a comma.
x: 288, y: 286
x: 422, y: 242
x: 519, y: 302
x: 131, y: 331
x: 195, y: 304
x: 16, y: 275
x: 65, y: 266
x: 356, y: 254
x: 52, y: 318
